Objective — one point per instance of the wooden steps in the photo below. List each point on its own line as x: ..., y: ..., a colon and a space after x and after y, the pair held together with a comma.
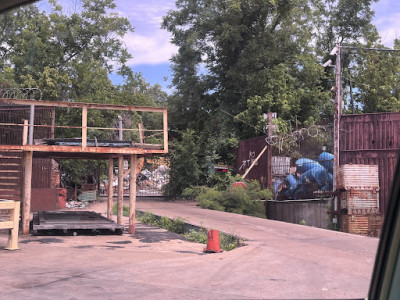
x: 10, y: 175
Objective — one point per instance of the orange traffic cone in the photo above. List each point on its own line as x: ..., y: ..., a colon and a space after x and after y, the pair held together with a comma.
x: 213, y: 245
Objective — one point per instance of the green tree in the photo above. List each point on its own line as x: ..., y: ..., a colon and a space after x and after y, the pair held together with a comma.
x: 246, y: 58
x: 375, y: 76
x: 185, y: 169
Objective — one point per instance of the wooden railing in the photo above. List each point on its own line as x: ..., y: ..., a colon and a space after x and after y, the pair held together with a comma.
x: 28, y: 127
x: 12, y: 224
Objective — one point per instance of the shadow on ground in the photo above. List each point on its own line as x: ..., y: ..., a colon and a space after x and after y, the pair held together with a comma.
x: 152, y: 234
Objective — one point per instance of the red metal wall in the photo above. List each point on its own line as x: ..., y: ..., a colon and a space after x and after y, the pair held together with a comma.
x: 247, y: 153
x: 372, y: 139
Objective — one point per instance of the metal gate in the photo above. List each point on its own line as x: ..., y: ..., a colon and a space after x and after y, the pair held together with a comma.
x: 153, y: 176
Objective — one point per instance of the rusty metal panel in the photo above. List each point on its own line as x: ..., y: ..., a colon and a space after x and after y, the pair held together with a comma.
x: 361, y: 202
x: 41, y: 173
x: 247, y: 153
x: 367, y: 225
x: 44, y: 199
x: 356, y: 176
x: 372, y: 139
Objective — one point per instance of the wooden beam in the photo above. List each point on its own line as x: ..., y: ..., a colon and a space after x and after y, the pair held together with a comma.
x: 254, y: 162
x: 12, y: 243
x: 132, y: 194
x: 81, y: 105
x: 120, y: 199
x: 84, y: 127
x: 31, y: 123
x: 25, y: 133
x: 141, y: 133
x: 26, y: 191
x: 78, y: 149
x: 110, y: 193
x: 53, y: 121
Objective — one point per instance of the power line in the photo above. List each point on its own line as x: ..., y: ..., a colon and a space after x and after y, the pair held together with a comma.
x: 371, y: 49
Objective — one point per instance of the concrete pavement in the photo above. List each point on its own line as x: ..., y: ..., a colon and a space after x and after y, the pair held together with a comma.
x: 280, y: 261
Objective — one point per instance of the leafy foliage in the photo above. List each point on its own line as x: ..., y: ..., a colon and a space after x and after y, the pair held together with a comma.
x: 236, y: 199
x: 185, y: 169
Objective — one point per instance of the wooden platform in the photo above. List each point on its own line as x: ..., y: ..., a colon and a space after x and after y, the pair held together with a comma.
x: 73, y: 220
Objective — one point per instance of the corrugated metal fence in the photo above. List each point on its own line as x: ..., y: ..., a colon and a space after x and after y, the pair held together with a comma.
x: 372, y: 139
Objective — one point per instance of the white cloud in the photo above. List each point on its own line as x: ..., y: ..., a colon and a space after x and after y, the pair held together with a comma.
x: 389, y: 28
x: 152, y: 49
x: 387, y: 20
x: 148, y: 44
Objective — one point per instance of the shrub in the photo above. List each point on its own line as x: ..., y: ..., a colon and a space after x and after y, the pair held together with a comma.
x: 209, y: 198
x: 236, y: 199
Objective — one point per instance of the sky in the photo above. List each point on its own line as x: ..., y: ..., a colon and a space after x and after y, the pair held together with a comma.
x: 151, y: 48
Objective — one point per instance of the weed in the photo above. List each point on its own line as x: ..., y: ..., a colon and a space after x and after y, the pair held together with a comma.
x: 197, y: 236
x: 125, y: 210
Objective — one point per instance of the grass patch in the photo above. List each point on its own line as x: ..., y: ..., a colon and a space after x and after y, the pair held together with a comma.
x: 173, y: 225
x: 227, y: 242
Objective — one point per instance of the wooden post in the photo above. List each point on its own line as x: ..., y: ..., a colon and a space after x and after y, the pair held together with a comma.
x: 14, y: 218
x: 120, y: 133
x: 26, y: 191
x: 53, y: 121
x: 132, y: 194
x: 165, y: 130
x: 25, y: 133
x: 84, y: 126
x: 110, y: 187
x: 31, y: 123
x: 141, y: 133
x: 120, y: 199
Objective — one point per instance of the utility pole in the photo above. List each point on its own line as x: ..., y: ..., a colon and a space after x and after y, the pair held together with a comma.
x: 338, y: 112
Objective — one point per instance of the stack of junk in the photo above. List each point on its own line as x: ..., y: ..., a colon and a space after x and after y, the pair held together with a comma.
x: 310, y: 176
x: 358, y: 187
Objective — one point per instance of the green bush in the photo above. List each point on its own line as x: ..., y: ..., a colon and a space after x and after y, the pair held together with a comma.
x: 193, y: 192
x: 209, y: 198
x: 148, y: 218
x: 236, y: 199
